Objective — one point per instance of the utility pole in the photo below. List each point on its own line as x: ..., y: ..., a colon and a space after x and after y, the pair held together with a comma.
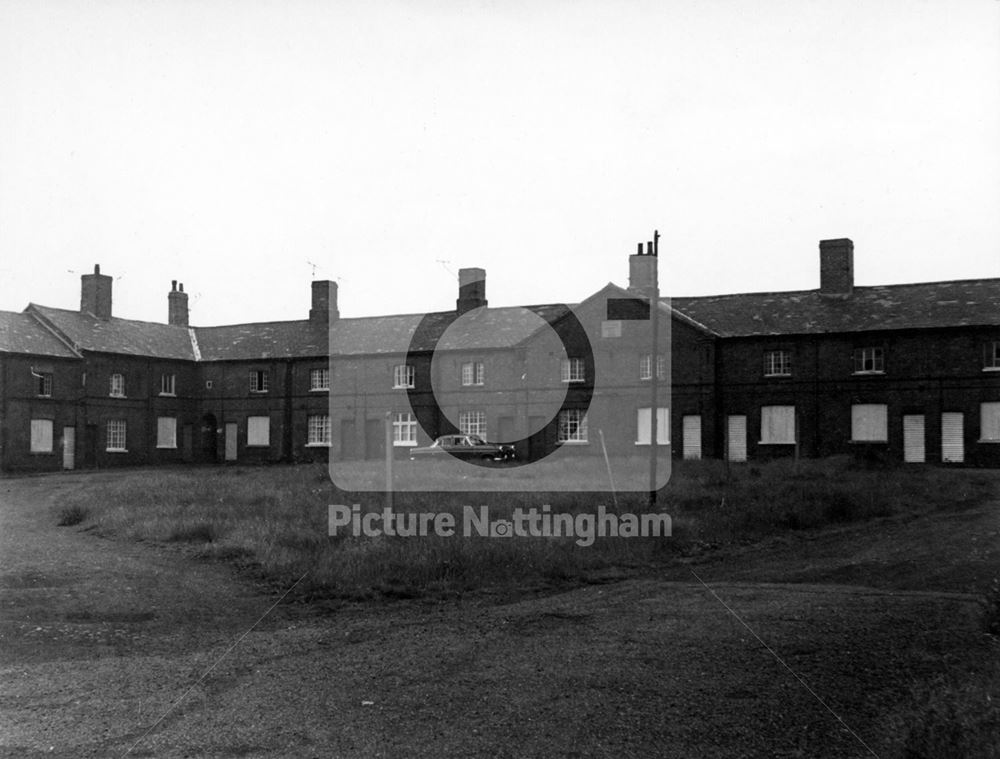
x: 653, y: 249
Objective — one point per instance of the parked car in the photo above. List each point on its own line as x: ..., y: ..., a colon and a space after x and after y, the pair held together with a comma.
x: 464, y: 447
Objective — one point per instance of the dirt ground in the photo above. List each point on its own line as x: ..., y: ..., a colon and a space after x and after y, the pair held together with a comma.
x: 109, y: 648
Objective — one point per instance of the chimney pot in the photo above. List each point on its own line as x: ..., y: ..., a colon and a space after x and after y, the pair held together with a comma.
x: 642, y: 271
x: 177, y: 306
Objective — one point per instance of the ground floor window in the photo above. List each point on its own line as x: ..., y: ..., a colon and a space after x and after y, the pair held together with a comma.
x: 319, y: 430
x: 644, y: 423
x: 777, y: 425
x: 41, y: 436
x: 989, y: 422
x: 259, y: 430
x: 166, y: 432
x: 116, y: 435
x: 572, y: 426
x: 472, y: 423
x: 869, y: 423
x: 404, y: 429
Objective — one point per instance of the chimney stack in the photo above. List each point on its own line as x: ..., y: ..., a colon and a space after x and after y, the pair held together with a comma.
x: 642, y: 270
x: 471, y: 290
x: 836, y: 267
x: 95, y: 294
x: 324, y: 302
x: 177, y: 305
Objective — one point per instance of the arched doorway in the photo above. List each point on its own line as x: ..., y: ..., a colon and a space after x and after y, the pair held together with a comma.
x: 209, y: 438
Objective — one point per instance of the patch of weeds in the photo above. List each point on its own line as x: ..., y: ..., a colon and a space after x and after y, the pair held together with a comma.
x: 991, y: 610
x: 197, y: 532
x: 72, y: 515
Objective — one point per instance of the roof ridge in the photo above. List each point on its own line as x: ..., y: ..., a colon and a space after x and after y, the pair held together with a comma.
x: 816, y: 290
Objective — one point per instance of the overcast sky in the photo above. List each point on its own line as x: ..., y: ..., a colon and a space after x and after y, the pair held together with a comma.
x: 235, y: 146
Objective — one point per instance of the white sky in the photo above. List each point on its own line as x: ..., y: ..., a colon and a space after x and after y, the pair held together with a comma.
x: 228, y: 144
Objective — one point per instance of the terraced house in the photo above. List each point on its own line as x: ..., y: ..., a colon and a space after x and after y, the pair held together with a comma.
x: 899, y: 372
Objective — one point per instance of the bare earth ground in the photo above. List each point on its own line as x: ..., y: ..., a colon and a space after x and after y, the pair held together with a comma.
x: 98, y: 638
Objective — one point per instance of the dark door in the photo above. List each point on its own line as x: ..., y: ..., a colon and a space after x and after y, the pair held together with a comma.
x: 187, y: 443
x: 209, y: 438
x: 374, y: 438
x: 90, y: 446
x: 348, y: 441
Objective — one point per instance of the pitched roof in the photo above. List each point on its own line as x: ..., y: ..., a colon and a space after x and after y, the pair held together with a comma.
x: 114, y: 335
x: 21, y: 333
x: 262, y: 340
x: 960, y: 303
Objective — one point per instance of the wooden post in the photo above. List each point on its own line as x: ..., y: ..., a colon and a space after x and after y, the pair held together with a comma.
x: 388, y: 460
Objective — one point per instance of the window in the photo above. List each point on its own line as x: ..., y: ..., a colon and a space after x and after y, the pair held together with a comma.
x: 989, y: 422
x: 869, y: 361
x: 117, y: 386
x: 166, y: 431
x: 869, y: 423
x: 258, y: 380
x: 991, y: 356
x: 43, y: 383
x: 41, y: 436
x: 168, y: 383
x: 472, y: 373
x: 572, y: 370
x: 611, y: 328
x: 116, y: 435
x: 319, y: 379
x: 472, y: 422
x: 402, y: 375
x: 777, y: 363
x: 646, y: 366
x: 644, y: 420
x: 777, y: 425
x: 319, y: 430
x: 572, y: 426
x: 259, y: 430
x: 404, y: 429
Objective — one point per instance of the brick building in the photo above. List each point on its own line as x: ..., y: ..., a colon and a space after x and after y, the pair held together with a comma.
x: 900, y: 372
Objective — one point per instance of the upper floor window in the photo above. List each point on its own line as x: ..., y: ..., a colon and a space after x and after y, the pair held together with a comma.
x: 646, y: 366
x: 168, y: 384
x: 258, y: 381
x: 43, y: 384
x: 319, y: 379
x: 777, y: 363
x: 869, y: 360
x: 472, y: 373
x: 572, y: 370
x: 117, y: 386
x: 402, y: 375
x: 991, y: 356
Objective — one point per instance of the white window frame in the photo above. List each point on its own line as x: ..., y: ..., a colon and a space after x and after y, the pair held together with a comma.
x: 116, y: 385
x: 777, y: 425
x: 318, y: 431
x: 778, y: 363
x: 989, y: 422
x: 572, y: 370
x: 403, y: 376
x: 472, y: 422
x: 41, y: 436
x: 404, y: 429
x: 572, y: 426
x: 869, y: 423
x: 991, y: 356
x: 43, y: 387
x: 260, y: 380
x: 646, y: 366
x: 873, y: 356
x: 258, y: 431
x: 166, y: 432
x: 319, y: 379
x: 473, y: 373
x: 168, y: 384
x: 116, y: 435
x: 644, y: 423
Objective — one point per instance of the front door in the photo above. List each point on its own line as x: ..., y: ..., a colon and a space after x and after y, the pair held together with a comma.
x: 232, y: 431
x: 69, y: 447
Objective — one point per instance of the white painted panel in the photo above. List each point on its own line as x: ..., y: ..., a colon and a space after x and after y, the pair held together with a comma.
x: 913, y: 439
x: 737, y: 434
x: 69, y: 447
x: 952, y: 445
x: 692, y: 436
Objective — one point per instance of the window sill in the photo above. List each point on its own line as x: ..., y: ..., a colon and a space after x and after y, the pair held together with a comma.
x: 573, y: 442
x: 312, y: 445
x: 259, y: 392
x: 869, y: 372
x: 116, y: 396
x: 994, y: 442
x: 779, y: 376
x: 404, y: 443
x: 867, y: 442
x: 116, y: 450
x: 776, y: 442
x: 41, y: 453
x: 658, y: 444
x: 168, y: 395
x: 991, y: 368
x: 403, y: 387
x: 258, y: 445
x: 50, y: 395
x: 167, y: 447
x: 319, y: 390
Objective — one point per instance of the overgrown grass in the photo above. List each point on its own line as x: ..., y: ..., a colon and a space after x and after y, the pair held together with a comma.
x: 275, y: 520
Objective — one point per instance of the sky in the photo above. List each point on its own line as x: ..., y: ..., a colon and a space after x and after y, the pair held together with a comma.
x: 246, y: 148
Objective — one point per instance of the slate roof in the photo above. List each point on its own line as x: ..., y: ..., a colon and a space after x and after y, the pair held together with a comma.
x: 124, y: 336
x: 961, y: 303
x: 262, y: 340
x: 20, y: 333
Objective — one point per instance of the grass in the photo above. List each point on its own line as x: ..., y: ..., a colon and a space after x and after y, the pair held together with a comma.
x: 275, y: 520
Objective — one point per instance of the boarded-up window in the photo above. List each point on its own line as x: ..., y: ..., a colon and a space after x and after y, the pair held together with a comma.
x: 692, y: 436
x: 913, y: 439
x: 41, y: 436
x: 952, y: 437
x: 989, y: 422
x: 869, y: 423
x: 736, y: 434
x: 259, y: 430
x: 644, y: 423
x: 166, y: 432
x: 777, y: 425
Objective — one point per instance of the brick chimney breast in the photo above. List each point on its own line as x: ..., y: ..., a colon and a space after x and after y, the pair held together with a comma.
x: 177, y: 305
x: 324, y: 302
x: 641, y: 271
x: 471, y: 290
x: 836, y: 267
x: 95, y: 294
